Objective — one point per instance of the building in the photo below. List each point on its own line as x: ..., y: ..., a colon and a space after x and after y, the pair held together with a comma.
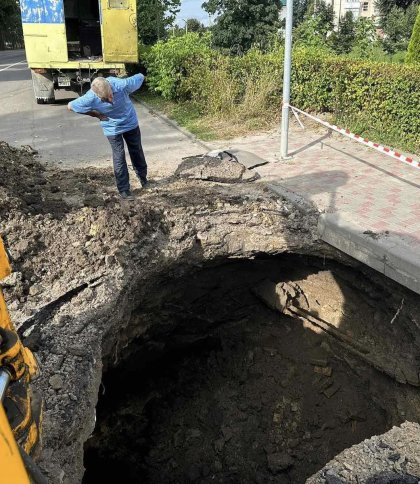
x: 359, y: 8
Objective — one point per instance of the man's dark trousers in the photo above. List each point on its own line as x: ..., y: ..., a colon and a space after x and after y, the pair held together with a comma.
x: 133, y: 140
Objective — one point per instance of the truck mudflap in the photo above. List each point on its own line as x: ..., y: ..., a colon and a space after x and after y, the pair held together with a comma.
x: 43, y: 86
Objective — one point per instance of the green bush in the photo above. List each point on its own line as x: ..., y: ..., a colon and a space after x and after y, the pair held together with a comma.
x: 167, y: 61
x: 385, y: 95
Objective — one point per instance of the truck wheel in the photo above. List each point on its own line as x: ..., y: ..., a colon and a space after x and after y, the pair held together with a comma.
x: 43, y: 87
x: 44, y: 101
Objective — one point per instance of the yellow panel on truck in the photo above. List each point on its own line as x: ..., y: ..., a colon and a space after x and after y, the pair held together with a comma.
x: 119, y: 30
x: 44, y: 31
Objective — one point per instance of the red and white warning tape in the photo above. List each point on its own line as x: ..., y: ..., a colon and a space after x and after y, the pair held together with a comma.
x: 364, y: 141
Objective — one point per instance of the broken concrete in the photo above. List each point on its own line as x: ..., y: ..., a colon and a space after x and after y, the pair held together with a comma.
x: 389, y: 458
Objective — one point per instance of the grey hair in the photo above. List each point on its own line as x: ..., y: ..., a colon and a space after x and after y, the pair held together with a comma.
x: 101, y: 87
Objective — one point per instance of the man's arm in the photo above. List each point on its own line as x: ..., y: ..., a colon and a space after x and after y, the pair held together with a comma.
x: 133, y: 83
x: 94, y: 114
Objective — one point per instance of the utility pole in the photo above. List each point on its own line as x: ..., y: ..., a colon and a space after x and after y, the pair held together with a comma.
x: 186, y: 25
x: 284, y: 141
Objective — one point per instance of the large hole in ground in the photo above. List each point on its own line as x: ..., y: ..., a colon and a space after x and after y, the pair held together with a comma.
x: 223, y: 388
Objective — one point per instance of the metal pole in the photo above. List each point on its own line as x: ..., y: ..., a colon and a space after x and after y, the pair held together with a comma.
x: 4, y: 383
x: 284, y: 142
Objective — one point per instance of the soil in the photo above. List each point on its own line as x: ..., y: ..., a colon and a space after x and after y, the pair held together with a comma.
x: 236, y: 392
x: 83, y: 261
x: 96, y: 279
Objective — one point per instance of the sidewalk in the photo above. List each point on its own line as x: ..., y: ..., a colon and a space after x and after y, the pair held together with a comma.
x: 369, y: 203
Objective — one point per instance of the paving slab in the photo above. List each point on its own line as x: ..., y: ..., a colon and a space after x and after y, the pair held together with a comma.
x: 369, y: 203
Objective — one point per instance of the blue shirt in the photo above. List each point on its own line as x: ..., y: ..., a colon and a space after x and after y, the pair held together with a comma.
x: 122, y: 116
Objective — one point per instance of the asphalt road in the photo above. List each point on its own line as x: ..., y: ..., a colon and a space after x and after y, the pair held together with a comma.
x: 71, y: 139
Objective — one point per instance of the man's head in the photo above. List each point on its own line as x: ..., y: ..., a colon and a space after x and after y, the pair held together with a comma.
x: 102, y: 88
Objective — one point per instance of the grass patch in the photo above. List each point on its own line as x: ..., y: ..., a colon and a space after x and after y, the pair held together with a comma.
x: 185, y: 114
x: 210, y: 127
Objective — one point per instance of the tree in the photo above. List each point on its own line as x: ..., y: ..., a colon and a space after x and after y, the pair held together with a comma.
x: 194, y: 25
x: 314, y: 30
x: 10, y: 24
x: 243, y: 23
x: 398, y: 26
x: 366, y: 43
x: 413, y: 54
x: 385, y: 6
x: 300, y: 9
x: 154, y: 17
x: 325, y: 13
x: 342, y: 41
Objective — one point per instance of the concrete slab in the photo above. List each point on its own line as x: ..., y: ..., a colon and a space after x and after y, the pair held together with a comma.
x: 246, y: 158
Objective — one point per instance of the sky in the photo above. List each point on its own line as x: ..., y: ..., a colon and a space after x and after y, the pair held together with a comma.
x: 192, y: 9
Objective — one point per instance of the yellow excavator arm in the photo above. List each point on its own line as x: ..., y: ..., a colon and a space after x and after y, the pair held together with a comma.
x: 19, y: 424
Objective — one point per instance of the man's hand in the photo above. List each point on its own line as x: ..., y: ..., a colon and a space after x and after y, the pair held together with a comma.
x: 94, y: 114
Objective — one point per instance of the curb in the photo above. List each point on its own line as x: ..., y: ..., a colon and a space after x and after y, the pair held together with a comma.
x: 173, y: 124
x: 384, y: 253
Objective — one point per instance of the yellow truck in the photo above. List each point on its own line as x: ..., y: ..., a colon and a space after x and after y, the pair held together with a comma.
x: 70, y: 42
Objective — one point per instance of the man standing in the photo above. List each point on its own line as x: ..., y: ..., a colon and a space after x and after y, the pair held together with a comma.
x: 109, y: 101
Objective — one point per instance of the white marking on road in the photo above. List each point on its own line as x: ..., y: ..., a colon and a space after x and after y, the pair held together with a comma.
x: 11, y: 65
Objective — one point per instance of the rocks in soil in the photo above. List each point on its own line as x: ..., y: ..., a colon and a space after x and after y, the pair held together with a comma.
x: 386, y: 459
x: 228, y: 389
x: 56, y: 382
x: 12, y: 280
x: 279, y: 462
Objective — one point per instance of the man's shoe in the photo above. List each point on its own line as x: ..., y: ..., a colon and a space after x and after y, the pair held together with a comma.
x: 127, y: 196
x: 144, y: 182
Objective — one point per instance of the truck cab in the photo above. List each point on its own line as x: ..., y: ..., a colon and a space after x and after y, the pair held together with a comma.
x: 70, y: 42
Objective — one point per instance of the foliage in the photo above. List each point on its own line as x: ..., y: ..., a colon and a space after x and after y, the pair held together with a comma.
x: 315, y: 28
x: 343, y: 40
x: 300, y: 8
x: 398, y: 26
x: 387, y: 96
x: 244, y: 23
x: 366, y: 44
x: 10, y: 24
x: 413, y: 53
x: 326, y: 15
x: 385, y: 6
x: 168, y: 61
x: 154, y: 17
x: 194, y: 25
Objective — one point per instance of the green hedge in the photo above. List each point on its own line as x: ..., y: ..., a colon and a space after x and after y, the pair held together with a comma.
x: 386, y: 97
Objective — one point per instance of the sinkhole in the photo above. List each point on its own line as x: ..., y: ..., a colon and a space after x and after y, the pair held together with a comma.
x: 254, y: 371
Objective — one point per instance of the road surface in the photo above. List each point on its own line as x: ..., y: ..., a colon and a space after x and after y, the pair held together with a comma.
x: 71, y: 139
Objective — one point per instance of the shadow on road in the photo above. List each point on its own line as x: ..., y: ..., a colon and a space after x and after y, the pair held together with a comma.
x: 16, y: 73
x: 310, y: 145
x: 307, y: 186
